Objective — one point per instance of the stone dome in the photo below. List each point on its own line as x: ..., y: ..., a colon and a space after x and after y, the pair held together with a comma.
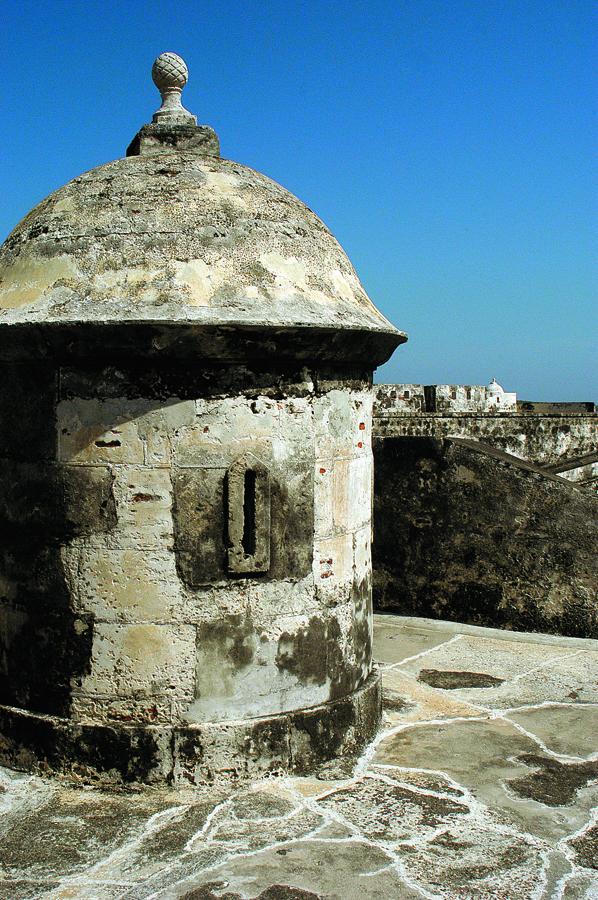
x: 180, y: 237
x: 494, y: 389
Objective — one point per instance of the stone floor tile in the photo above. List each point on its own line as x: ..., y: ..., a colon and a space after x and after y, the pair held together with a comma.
x: 569, y: 729
x: 499, y: 658
x: 84, y: 890
x: 407, y: 700
x: 502, y: 769
x: 334, y: 870
x: 580, y: 887
x: 393, y: 645
x: 476, y: 857
x: 585, y: 848
x: 380, y: 809
x: 482, y: 786
x: 572, y: 678
x: 20, y: 889
x: 74, y: 829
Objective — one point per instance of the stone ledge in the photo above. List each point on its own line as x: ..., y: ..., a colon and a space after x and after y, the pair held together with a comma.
x: 295, y: 742
x: 168, y: 138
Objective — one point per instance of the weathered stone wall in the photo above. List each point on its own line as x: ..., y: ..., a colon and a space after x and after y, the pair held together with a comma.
x: 118, y: 606
x: 543, y: 439
x: 464, y: 532
x: 401, y: 399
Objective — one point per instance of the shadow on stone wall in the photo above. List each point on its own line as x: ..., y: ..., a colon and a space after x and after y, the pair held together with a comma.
x: 467, y: 533
x: 45, y: 646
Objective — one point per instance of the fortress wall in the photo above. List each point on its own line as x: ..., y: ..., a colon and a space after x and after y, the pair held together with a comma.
x: 543, y: 439
x: 467, y: 533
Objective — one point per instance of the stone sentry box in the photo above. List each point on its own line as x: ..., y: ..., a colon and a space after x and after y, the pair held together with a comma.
x: 185, y: 501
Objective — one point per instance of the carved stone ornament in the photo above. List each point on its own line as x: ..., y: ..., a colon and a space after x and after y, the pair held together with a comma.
x: 170, y: 75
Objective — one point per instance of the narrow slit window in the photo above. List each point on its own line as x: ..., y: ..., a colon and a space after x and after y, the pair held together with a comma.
x: 249, y: 513
x: 248, y: 501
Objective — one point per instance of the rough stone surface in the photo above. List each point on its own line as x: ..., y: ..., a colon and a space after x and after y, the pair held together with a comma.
x: 180, y: 238
x: 468, y: 792
x: 467, y: 533
x: 185, y: 573
x: 546, y: 434
x: 124, y: 617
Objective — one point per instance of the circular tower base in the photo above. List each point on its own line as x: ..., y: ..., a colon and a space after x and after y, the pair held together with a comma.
x: 295, y: 742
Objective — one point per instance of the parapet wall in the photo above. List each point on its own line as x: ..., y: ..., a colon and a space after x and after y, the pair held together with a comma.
x: 466, y: 533
x: 541, y: 437
x: 479, y: 516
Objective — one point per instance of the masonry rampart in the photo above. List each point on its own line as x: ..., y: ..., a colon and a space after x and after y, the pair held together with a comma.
x: 464, y: 532
x: 544, y: 439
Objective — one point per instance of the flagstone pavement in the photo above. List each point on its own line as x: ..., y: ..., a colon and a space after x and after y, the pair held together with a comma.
x: 482, y: 783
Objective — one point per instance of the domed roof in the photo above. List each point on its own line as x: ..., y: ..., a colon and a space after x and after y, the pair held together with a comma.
x: 494, y: 388
x: 178, y: 235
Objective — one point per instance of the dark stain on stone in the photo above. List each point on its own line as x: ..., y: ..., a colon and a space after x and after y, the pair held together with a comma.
x: 393, y: 702
x: 337, y: 769
x: 93, y: 753
x: 553, y: 783
x: 464, y: 876
x: 390, y: 802
x: 446, y: 839
x: 361, y: 597
x: 326, y: 736
x: 145, y: 498
x: 273, y: 892
x: 286, y: 892
x: 113, y: 443
x: 343, y: 676
x: 206, y: 892
x: 260, y: 805
x: 586, y: 848
x: 199, y: 525
x: 303, y: 652
x: 89, y: 502
x: 450, y: 681
x: 182, y: 380
x: 45, y: 646
x: 233, y: 637
x: 200, y: 517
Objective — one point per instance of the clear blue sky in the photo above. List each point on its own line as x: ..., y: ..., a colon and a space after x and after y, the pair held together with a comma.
x: 448, y: 145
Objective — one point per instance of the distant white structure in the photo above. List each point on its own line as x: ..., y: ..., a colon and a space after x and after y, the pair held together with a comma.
x: 446, y: 398
x: 497, y: 398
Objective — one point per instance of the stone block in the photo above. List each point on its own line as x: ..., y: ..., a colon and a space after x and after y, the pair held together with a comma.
x: 268, y: 601
x: 43, y: 653
x: 199, y: 525
x: 124, y: 585
x: 342, y: 423
x: 159, y: 709
x: 324, y: 497
x: 362, y: 553
x: 89, y: 504
x: 158, y: 426
x: 141, y: 661
x: 30, y: 501
x: 248, y: 504
x: 143, y: 503
x: 244, y: 672
x: 333, y: 568
x: 352, y: 492
x: 96, y: 432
